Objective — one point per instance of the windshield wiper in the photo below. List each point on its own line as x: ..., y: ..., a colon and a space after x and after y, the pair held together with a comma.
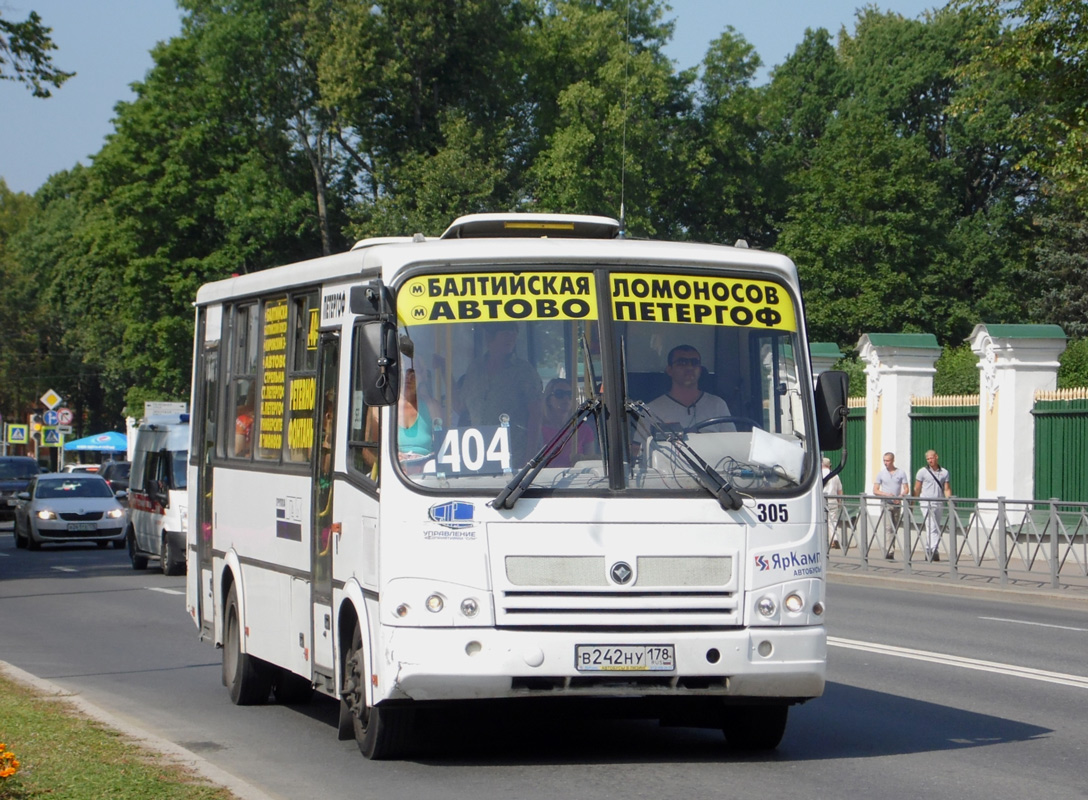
x: 706, y: 475
x: 525, y: 477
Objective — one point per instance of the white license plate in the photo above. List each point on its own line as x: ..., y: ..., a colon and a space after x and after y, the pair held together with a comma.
x: 82, y: 526
x: 624, y: 657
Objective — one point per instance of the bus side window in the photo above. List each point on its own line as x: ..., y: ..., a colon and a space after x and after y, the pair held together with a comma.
x: 364, y: 435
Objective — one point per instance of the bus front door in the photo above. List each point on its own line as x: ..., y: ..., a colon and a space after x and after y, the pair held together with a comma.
x: 324, y: 529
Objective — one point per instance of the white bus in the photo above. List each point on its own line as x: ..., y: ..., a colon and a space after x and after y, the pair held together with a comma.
x: 528, y: 458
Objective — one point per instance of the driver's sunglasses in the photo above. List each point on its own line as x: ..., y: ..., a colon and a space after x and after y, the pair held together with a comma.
x: 684, y: 361
x: 562, y: 394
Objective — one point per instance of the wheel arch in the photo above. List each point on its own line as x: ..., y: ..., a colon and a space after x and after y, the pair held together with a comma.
x: 230, y: 575
x: 353, y: 609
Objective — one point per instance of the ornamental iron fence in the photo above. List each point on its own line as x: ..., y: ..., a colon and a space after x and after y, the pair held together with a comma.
x: 1043, y: 542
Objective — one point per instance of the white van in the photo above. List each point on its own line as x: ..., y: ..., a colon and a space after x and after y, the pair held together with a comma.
x: 157, y: 501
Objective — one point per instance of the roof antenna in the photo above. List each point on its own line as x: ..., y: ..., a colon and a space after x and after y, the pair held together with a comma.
x: 622, y: 234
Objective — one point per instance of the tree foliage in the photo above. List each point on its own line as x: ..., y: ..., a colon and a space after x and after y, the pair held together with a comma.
x: 921, y: 172
x: 25, y: 55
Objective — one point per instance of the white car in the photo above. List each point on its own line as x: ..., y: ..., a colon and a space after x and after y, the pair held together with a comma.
x: 81, y: 468
x: 68, y: 507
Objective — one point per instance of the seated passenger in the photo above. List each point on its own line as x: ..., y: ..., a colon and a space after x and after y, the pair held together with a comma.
x: 502, y: 388
x: 685, y: 404
x: 414, y: 427
x: 558, y: 408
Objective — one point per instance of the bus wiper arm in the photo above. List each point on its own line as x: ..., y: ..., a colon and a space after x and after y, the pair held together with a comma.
x: 525, y: 477
x: 706, y: 475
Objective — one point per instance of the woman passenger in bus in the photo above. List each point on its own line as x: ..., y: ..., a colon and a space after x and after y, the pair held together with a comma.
x: 414, y: 425
x: 558, y: 407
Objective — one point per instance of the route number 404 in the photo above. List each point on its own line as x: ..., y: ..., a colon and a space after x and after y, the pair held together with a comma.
x: 772, y: 512
x: 474, y: 451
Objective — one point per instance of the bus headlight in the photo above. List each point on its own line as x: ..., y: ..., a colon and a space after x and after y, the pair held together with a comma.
x: 794, y: 602
x: 766, y: 606
x: 435, y: 603
x: 469, y: 607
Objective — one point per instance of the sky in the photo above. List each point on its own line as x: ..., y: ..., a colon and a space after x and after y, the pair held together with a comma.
x: 108, y: 44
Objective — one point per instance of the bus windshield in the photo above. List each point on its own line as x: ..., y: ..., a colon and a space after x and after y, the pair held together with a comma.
x: 497, y: 366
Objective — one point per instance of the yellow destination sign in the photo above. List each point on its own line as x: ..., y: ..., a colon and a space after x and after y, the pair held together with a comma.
x: 498, y: 296
x: 701, y: 300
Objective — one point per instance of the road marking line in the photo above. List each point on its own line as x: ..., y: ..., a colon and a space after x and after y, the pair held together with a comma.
x: 1037, y: 624
x: 964, y: 663
x: 164, y: 591
x: 65, y: 569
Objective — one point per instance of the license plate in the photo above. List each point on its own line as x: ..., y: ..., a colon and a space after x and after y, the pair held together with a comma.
x: 82, y: 526
x: 624, y: 657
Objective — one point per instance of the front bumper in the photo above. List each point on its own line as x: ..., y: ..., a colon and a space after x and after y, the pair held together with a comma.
x: 478, y: 663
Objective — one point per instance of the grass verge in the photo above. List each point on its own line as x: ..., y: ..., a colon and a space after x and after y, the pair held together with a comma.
x: 66, y: 755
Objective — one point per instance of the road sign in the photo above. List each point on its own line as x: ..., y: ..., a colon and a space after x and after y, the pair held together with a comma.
x: 51, y: 437
x: 64, y: 430
x: 64, y: 416
x: 18, y: 434
x: 51, y: 399
x: 51, y: 418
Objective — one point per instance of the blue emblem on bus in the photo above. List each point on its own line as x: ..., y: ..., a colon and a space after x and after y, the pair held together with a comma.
x: 455, y: 514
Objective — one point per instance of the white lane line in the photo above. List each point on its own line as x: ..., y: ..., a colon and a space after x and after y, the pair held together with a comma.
x: 65, y: 569
x: 1036, y: 624
x: 164, y: 591
x: 964, y: 663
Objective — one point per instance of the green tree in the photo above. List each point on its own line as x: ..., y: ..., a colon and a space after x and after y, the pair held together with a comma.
x: 957, y: 371
x: 608, y: 125
x: 25, y: 55
x: 725, y: 196
x: 1043, y: 47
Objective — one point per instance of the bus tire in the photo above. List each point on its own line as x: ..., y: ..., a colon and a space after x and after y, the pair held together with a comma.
x: 755, y: 727
x: 381, y: 732
x: 139, y: 562
x: 247, y: 678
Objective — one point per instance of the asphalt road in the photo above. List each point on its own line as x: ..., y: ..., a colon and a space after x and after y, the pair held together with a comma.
x: 929, y: 696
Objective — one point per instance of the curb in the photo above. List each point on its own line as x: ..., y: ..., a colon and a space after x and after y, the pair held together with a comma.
x: 175, y: 752
x: 1054, y: 598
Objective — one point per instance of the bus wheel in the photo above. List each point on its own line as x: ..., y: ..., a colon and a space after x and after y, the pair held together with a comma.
x: 290, y: 689
x: 755, y: 727
x: 246, y: 678
x: 381, y: 732
x: 138, y: 561
x: 170, y: 564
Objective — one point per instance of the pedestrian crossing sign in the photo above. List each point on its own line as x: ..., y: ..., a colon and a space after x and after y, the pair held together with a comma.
x: 18, y: 433
x: 51, y: 437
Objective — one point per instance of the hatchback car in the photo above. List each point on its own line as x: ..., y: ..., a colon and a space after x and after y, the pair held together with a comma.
x: 68, y: 507
x: 15, y: 474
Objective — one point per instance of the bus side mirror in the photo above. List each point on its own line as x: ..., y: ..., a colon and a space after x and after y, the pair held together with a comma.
x: 379, y: 358
x: 379, y: 363
x: 832, y: 389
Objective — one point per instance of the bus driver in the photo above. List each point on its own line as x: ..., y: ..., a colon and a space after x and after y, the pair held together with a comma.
x: 685, y: 403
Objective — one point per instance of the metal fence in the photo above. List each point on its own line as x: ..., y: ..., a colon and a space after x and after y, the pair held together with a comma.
x: 1044, y: 542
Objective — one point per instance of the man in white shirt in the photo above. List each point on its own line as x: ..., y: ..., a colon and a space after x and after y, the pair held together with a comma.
x: 833, y: 501
x: 685, y: 403
x: 931, y: 482
x: 891, y: 483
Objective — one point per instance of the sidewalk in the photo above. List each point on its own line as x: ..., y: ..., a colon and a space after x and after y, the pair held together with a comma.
x: 927, y: 577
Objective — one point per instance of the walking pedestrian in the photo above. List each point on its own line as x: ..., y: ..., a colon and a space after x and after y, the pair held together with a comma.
x: 932, y: 482
x: 892, y: 484
x: 833, y: 495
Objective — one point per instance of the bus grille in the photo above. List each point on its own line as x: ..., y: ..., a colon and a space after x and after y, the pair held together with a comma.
x: 682, y: 591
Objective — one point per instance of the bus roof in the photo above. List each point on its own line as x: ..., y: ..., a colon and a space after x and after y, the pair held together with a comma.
x: 504, y: 241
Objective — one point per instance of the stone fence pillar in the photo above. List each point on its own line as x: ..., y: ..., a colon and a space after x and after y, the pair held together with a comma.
x: 899, y: 366
x: 1014, y: 362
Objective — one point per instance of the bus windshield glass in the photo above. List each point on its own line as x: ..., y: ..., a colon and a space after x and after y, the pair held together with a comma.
x: 500, y: 368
